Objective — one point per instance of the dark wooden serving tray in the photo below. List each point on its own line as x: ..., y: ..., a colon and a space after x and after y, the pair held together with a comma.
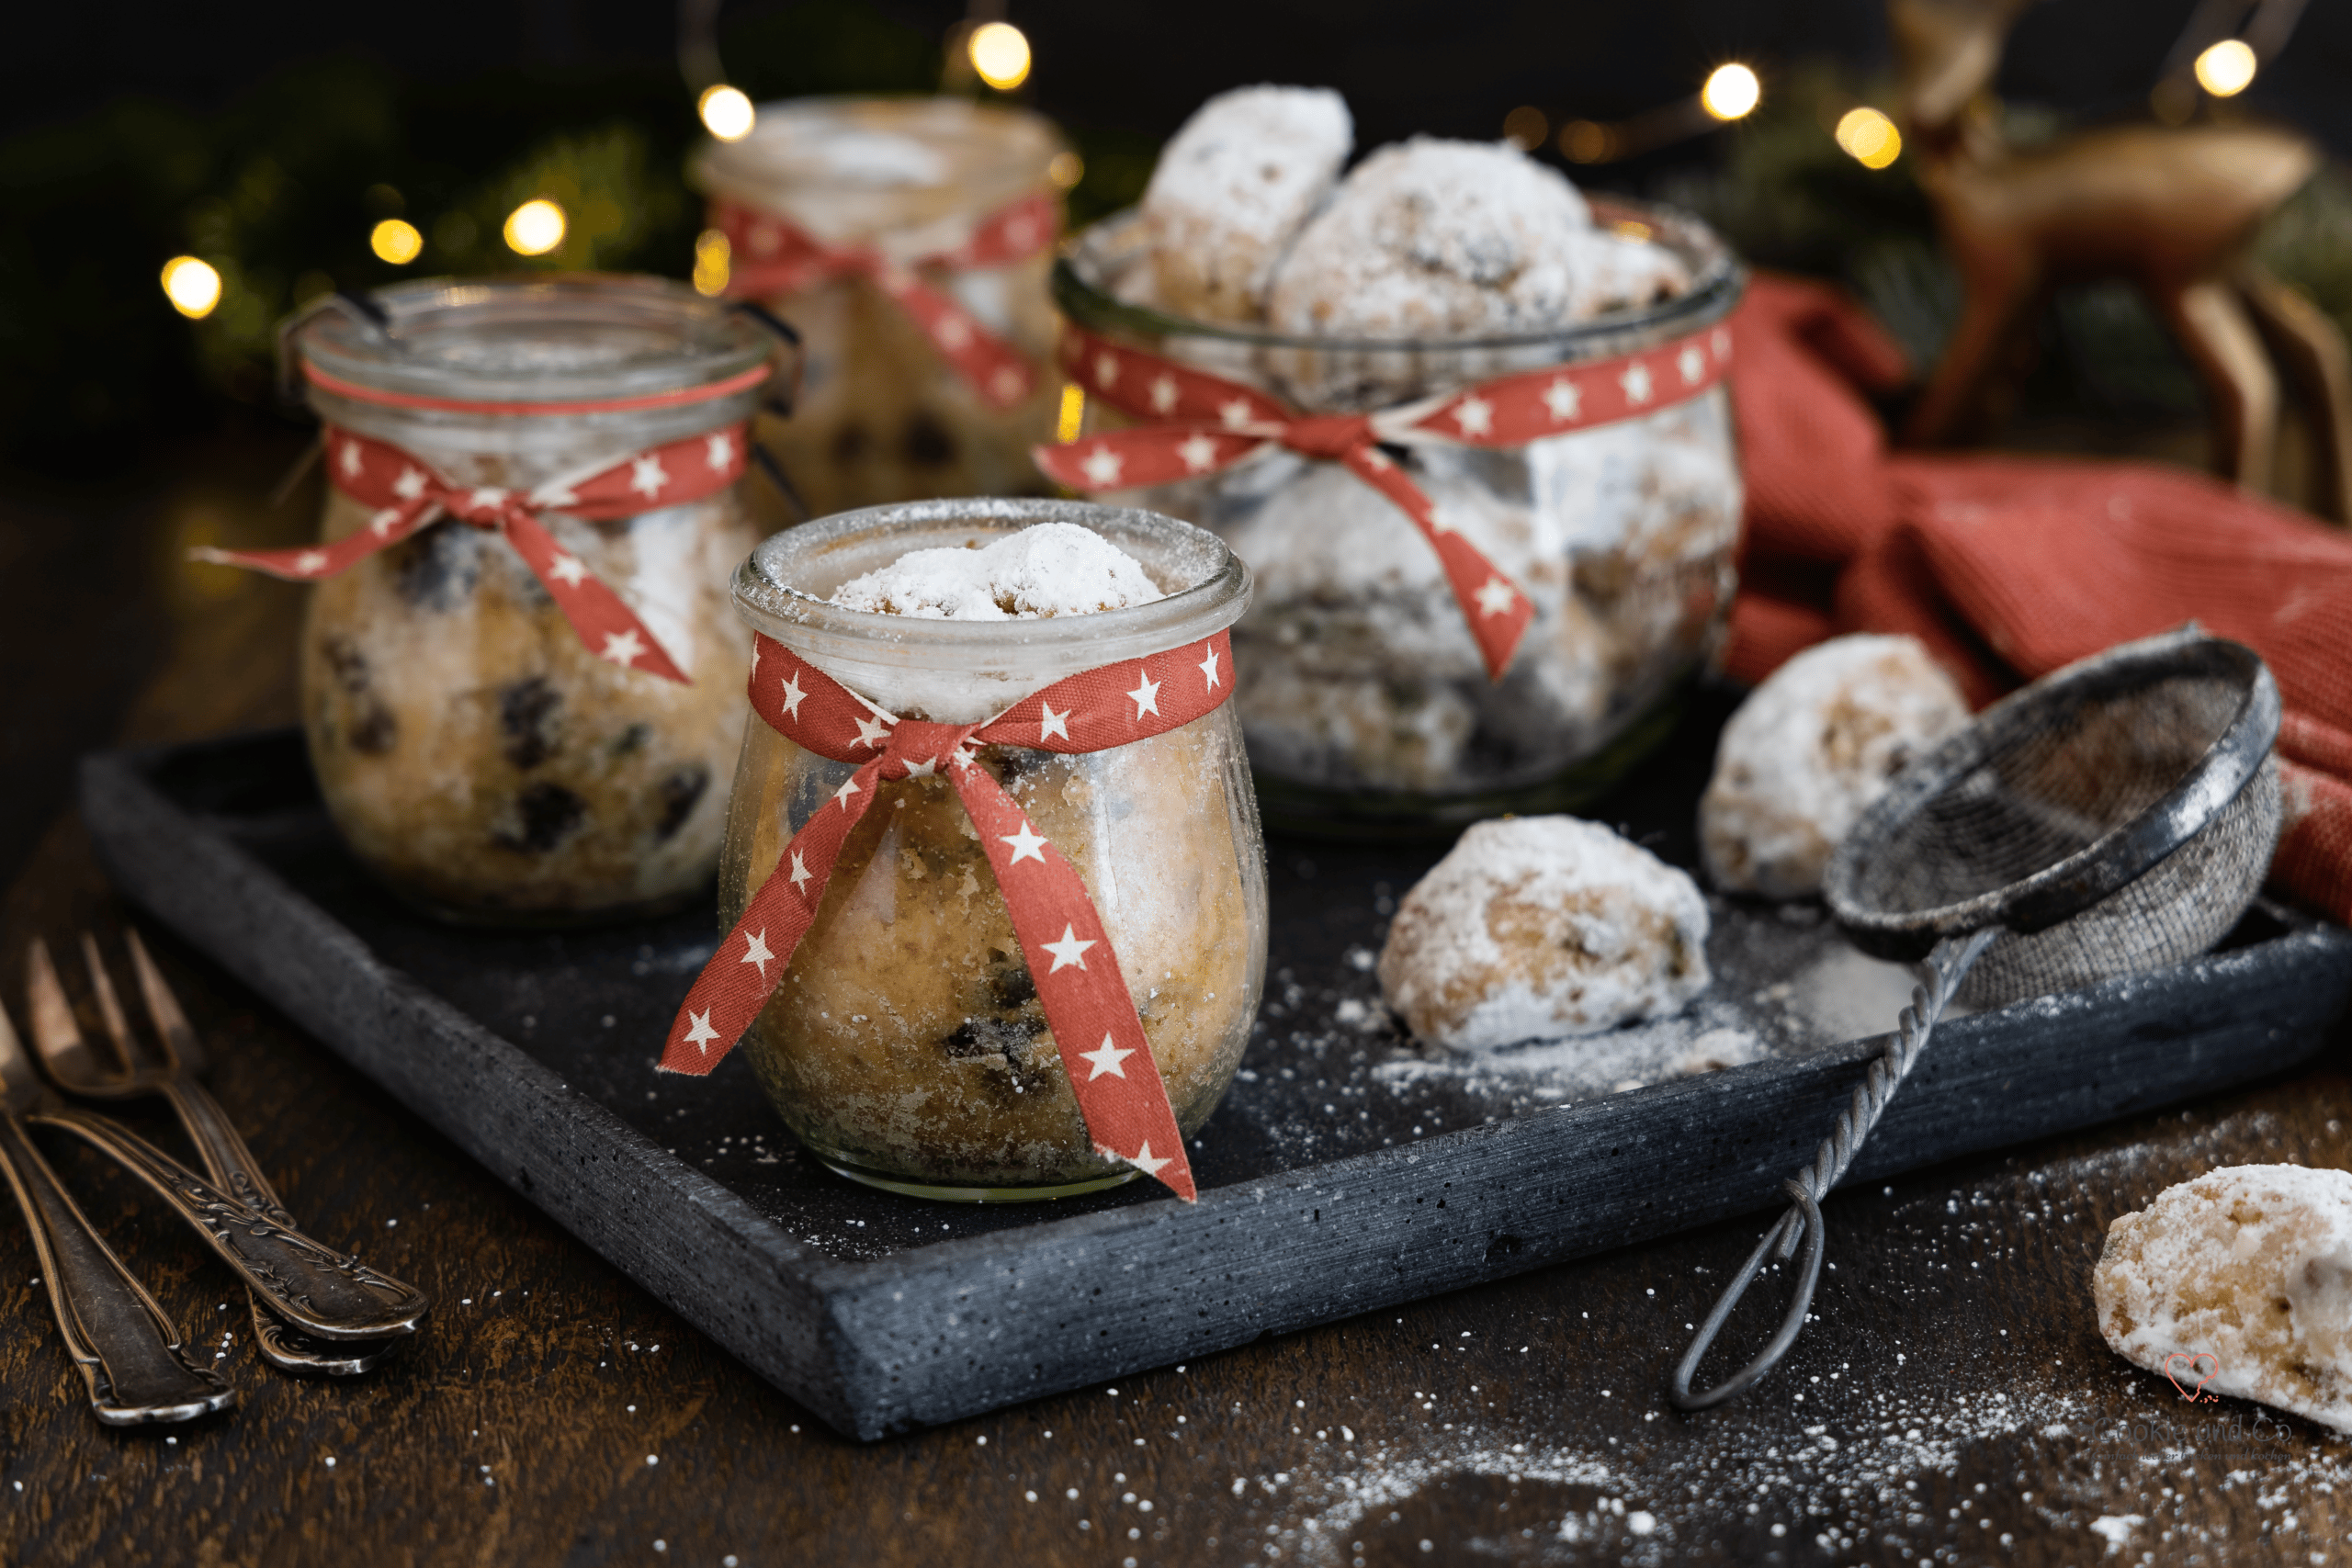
x: 1344, y: 1173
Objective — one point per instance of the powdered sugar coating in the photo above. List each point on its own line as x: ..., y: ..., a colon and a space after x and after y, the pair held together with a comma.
x: 1053, y: 569
x: 1619, y: 272
x: 1539, y: 927
x: 1233, y: 186
x: 1436, y: 239
x: 2250, y: 1266
x: 1810, y: 750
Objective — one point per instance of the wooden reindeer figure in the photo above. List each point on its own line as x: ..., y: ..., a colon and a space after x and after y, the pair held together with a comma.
x: 2171, y: 209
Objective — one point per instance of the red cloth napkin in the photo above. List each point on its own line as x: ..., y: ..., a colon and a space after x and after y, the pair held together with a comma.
x: 2009, y: 567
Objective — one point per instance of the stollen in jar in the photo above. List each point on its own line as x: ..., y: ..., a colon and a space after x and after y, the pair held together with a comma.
x: 995, y: 889
x: 520, y: 683
x: 909, y: 241
x: 1486, y: 565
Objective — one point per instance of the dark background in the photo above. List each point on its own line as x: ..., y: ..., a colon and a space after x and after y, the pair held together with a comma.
x: 269, y: 137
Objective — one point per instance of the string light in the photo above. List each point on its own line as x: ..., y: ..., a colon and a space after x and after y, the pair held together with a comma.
x: 727, y: 113
x: 1526, y: 129
x: 1587, y: 141
x: 2226, y: 69
x: 534, y: 228
x: 396, y: 241
x: 712, y: 259
x: 1065, y: 169
x: 1869, y: 138
x: 1731, y: 92
x: 193, y: 287
x: 1000, y: 53
x: 1072, y: 423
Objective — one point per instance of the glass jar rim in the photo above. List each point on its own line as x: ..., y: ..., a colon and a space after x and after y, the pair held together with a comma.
x: 1716, y: 286
x: 689, y: 345
x: 753, y: 168
x: 767, y: 598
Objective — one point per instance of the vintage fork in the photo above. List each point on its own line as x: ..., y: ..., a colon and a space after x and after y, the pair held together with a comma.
x: 126, y: 1348
x: 319, y: 1289
x: 75, y: 1068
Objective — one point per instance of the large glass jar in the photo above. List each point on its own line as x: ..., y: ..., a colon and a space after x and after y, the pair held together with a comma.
x: 1363, y: 693
x: 906, y: 1044
x: 478, y: 758
x: 883, y: 414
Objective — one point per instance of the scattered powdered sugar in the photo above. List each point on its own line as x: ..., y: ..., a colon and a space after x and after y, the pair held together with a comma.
x: 1539, y: 927
x: 1052, y: 569
x: 2116, y: 1529
x: 2240, y: 1282
x: 1590, y: 1065
x: 1852, y: 1476
x: 1883, y: 1471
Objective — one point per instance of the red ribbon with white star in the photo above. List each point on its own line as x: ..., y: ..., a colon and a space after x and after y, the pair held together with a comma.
x: 770, y: 255
x: 407, y: 495
x: 1085, y: 997
x: 1193, y: 424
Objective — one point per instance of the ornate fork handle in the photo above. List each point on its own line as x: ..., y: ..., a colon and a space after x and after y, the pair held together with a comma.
x: 233, y: 1168
x: 318, y: 1290
x: 128, y: 1349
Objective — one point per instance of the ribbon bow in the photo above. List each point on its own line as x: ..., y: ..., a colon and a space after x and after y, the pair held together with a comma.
x: 408, y: 494
x: 770, y: 255
x: 1069, y: 956
x: 1194, y: 424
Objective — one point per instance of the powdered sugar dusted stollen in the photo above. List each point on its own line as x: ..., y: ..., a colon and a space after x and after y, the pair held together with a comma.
x: 2249, y: 1267
x: 1618, y: 271
x: 1434, y: 239
x: 1810, y: 750
x: 1230, y: 190
x: 1539, y: 927
x: 1052, y: 569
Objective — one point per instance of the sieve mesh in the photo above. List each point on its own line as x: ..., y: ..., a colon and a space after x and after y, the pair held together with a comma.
x: 2063, y: 774
x: 2184, y: 905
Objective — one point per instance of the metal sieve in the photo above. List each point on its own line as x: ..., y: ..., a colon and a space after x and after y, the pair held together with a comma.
x: 2113, y: 817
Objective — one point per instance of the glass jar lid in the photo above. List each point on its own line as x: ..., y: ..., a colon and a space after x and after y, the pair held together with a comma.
x: 849, y: 166
x: 961, y: 671
x: 538, y: 342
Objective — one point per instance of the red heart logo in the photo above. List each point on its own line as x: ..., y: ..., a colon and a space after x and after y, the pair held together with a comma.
x: 2193, y: 1361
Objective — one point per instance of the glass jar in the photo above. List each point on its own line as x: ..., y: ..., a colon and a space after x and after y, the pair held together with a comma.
x: 882, y: 414
x: 906, y: 1045
x: 1362, y: 694
x: 485, y: 764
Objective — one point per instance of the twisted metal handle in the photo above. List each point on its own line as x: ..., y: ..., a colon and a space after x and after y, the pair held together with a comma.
x: 1946, y: 967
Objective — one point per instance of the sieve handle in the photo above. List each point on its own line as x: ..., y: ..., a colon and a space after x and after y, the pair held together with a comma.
x: 1946, y: 967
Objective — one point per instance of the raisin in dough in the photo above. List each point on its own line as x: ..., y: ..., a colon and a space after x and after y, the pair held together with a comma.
x: 1540, y: 927
x: 2247, y: 1272
x: 1810, y: 750
x: 1233, y: 186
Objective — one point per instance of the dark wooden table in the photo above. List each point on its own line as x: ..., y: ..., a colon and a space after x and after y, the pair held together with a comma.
x: 1952, y: 1402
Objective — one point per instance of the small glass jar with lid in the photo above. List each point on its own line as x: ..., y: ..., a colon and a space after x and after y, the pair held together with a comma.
x: 521, y: 682
x: 907, y: 240
x: 906, y: 1044
x: 1368, y: 703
